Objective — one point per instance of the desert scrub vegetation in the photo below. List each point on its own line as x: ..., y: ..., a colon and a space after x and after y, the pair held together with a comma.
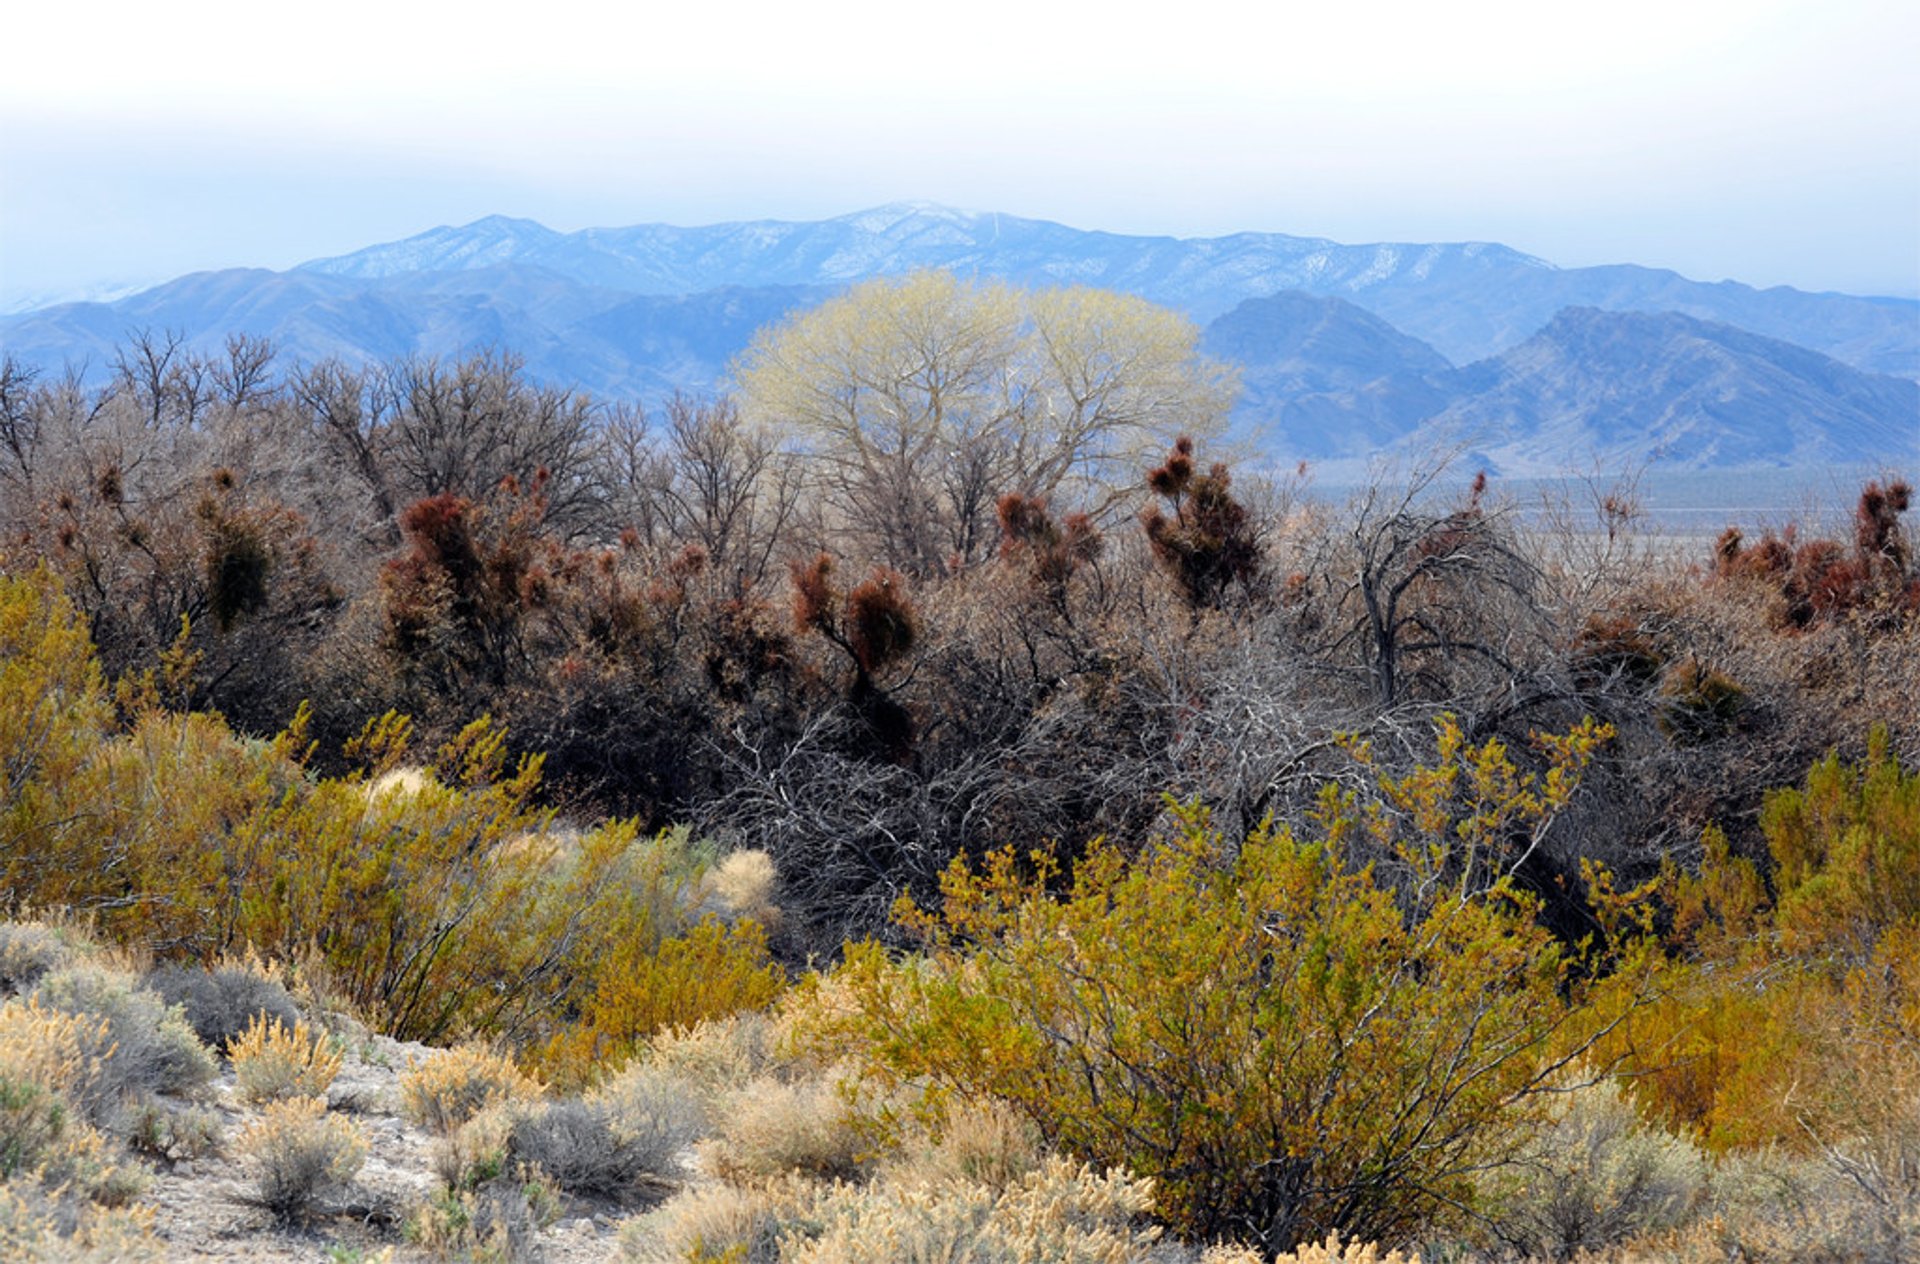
x: 140, y: 1045
x: 297, y: 1153
x: 496, y: 1220
x: 587, y: 1149
x: 37, y: 1224
x: 1059, y: 1211
x: 1287, y: 1042
x: 1595, y: 1175
x: 1788, y: 1008
x: 221, y: 1002
x: 679, y: 622
x: 43, y: 1141
x: 572, y: 945
x: 66, y: 1186
x: 451, y: 1087
x: 29, y: 949
x: 780, y: 1124
x: 272, y: 1062
x: 1334, y: 1251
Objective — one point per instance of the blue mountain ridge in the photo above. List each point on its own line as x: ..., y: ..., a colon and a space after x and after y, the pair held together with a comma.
x: 1344, y: 350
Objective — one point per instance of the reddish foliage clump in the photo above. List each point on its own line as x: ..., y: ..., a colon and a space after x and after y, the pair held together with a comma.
x: 1052, y: 551
x: 875, y: 626
x: 1824, y: 580
x: 880, y: 626
x: 1207, y: 543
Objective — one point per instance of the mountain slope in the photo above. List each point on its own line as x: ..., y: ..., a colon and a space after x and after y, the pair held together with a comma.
x: 1469, y: 300
x: 1320, y: 377
x: 1628, y: 388
x: 603, y: 340
x: 1323, y: 380
x: 1344, y: 350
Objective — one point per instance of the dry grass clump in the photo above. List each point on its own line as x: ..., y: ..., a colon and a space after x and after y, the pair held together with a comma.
x: 297, y: 1153
x: 717, y: 1222
x: 145, y: 1046
x: 30, y: 950
x: 714, y: 1057
x: 403, y: 783
x: 741, y: 886
x: 806, y: 1125
x: 42, y: 1226
x: 494, y: 1222
x: 1856, y: 1200
x: 1334, y: 1251
x: 475, y: 1152
x: 31, y: 1120
x: 1232, y: 1253
x: 173, y: 1134
x: 1060, y: 1213
x: 54, y: 1081
x: 42, y: 1141
x: 452, y: 1087
x: 272, y: 1062
x: 1595, y: 1176
x: 652, y: 1113
x: 59, y: 1052
x: 221, y: 1003
x: 982, y: 1143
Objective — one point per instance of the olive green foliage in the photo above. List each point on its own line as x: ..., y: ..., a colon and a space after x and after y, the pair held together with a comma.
x: 440, y: 900
x: 1286, y: 1044
x: 1846, y: 853
x: 54, y: 714
x: 1790, y: 1012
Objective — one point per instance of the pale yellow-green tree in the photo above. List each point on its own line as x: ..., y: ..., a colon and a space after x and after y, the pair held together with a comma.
x: 920, y: 400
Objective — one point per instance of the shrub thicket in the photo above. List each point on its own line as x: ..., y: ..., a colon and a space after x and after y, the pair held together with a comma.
x: 1285, y: 1042
x: 143, y: 1045
x: 695, y: 627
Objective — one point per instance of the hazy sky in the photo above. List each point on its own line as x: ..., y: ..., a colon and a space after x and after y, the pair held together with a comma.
x: 1772, y: 141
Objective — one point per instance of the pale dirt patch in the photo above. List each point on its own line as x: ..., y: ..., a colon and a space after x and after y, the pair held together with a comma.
x: 201, y: 1208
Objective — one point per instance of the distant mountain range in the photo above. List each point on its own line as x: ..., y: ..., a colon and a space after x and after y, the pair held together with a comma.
x: 1344, y: 349
x: 1326, y: 380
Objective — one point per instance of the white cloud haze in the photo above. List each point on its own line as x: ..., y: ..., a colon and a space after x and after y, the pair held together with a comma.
x: 1773, y: 141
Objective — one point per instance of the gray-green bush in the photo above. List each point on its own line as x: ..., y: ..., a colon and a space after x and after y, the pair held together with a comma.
x: 221, y: 1002
x: 145, y: 1047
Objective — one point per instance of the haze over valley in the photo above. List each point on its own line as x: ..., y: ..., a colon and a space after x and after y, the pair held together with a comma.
x: 1344, y: 351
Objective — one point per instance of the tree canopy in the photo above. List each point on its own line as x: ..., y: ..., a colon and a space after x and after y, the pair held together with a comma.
x: 925, y: 398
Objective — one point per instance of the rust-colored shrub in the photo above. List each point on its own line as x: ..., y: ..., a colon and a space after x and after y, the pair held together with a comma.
x: 1207, y: 542
x: 1825, y: 580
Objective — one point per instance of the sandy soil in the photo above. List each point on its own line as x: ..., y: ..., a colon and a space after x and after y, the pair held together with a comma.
x: 202, y: 1211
